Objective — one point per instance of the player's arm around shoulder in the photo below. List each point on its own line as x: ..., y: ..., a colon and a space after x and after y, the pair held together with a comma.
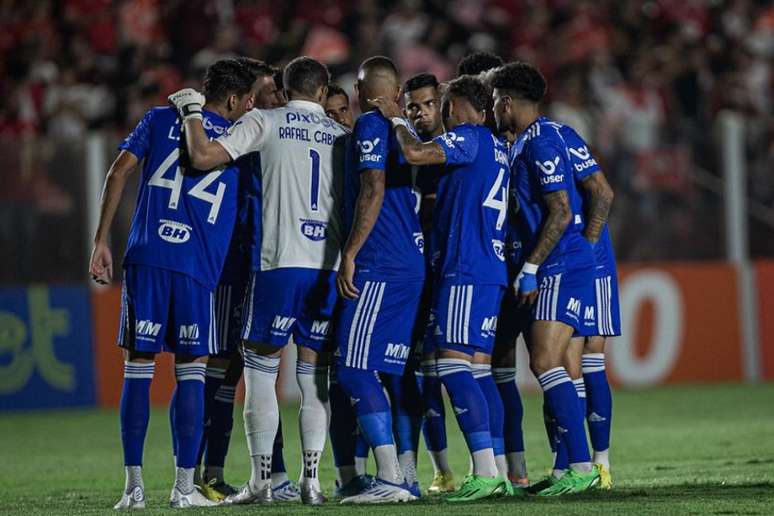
x: 414, y: 150
x: 203, y: 153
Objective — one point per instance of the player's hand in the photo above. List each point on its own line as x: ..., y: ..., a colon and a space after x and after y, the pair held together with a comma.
x: 388, y: 107
x: 525, y: 285
x: 345, y: 279
x: 101, y: 265
x: 188, y: 103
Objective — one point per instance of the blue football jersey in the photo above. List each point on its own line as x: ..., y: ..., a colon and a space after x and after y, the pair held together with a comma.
x: 184, y: 217
x: 393, y: 250
x: 584, y: 164
x: 245, y: 249
x: 543, y: 167
x: 469, y: 223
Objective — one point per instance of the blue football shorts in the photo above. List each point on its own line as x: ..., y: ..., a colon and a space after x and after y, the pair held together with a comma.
x: 466, y: 317
x: 374, y: 331
x: 286, y: 302
x: 163, y: 310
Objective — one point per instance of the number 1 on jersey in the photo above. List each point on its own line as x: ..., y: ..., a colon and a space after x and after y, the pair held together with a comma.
x: 314, y: 181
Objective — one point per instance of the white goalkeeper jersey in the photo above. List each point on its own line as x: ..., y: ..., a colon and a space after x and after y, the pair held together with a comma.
x: 302, y: 167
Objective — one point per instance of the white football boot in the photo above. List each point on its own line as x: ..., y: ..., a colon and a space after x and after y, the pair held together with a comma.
x: 179, y: 500
x: 131, y: 501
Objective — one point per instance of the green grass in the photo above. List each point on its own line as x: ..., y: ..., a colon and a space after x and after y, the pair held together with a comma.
x: 687, y: 450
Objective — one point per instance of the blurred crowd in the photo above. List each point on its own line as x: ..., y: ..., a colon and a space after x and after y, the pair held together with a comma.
x: 642, y: 81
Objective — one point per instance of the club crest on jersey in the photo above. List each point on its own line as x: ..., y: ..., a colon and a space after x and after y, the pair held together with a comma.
x: 174, y: 232
x: 313, y: 229
x: 499, y: 249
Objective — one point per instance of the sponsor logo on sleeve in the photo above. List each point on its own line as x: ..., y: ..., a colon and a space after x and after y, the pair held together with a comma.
x: 548, y: 168
x: 584, y: 160
x: 366, y: 148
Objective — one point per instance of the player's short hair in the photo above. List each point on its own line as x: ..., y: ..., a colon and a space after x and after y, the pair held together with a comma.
x: 422, y: 80
x: 379, y: 63
x: 477, y: 62
x: 304, y: 75
x: 470, y: 89
x: 227, y: 77
x: 520, y: 80
x: 260, y: 68
x: 335, y: 89
x: 278, y: 81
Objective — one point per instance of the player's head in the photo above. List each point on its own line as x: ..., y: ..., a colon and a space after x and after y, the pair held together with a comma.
x: 518, y: 89
x: 266, y: 96
x: 478, y: 62
x: 465, y: 101
x: 337, y: 105
x: 230, y: 87
x: 377, y: 77
x: 423, y: 104
x: 282, y: 97
x: 306, y: 79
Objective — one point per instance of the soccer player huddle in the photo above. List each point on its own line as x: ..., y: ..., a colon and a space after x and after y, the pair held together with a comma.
x: 404, y: 252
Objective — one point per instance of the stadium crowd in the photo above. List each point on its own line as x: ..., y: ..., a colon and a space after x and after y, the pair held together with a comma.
x: 666, y: 67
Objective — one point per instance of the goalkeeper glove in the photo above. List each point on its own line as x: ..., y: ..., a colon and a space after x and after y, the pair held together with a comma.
x: 188, y: 103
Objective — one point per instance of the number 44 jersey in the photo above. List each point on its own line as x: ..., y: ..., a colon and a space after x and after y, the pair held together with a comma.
x: 184, y: 217
x: 471, y: 207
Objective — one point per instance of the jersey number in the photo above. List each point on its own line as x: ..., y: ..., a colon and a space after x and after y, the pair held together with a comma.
x: 501, y: 205
x: 199, y: 190
x: 314, y: 181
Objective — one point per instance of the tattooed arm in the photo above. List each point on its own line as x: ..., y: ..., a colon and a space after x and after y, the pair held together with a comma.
x: 367, y: 208
x: 559, y: 217
x: 417, y: 152
x: 601, y: 196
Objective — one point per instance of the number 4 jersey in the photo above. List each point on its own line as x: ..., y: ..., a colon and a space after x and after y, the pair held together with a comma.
x: 471, y: 207
x: 184, y: 217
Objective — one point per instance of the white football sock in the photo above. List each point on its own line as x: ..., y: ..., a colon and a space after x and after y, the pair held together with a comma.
x: 502, y: 465
x: 408, y: 466
x: 361, y: 464
x: 133, y: 478
x: 602, y: 457
x: 517, y: 464
x: 439, y: 461
x: 313, y: 416
x: 261, y: 413
x: 387, y: 466
x: 184, y: 480
x: 484, y: 463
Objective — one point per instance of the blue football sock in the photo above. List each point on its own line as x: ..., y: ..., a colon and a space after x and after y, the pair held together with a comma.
x: 513, y: 410
x: 580, y: 389
x: 468, y: 402
x: 135, y: 410
x: 370, y: 404
x: 213, y: 379
x: 189, y: 412
x: 483, y: 375
x: 343, y: 427
x: 406, y: 412
x: 434, y: 427
x: 221, y: 424
x: 562, y: 401
x: 599, y: 412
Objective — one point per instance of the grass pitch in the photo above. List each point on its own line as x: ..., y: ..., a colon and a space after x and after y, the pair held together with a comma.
x: 676, y: 450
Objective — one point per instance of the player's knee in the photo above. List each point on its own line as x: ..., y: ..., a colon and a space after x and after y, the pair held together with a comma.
x: 262, y: 349
x: 594, y: 345
x: 142, y: 357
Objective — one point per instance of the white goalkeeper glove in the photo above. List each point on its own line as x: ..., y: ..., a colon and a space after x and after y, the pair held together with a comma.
x: 188, y: 103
